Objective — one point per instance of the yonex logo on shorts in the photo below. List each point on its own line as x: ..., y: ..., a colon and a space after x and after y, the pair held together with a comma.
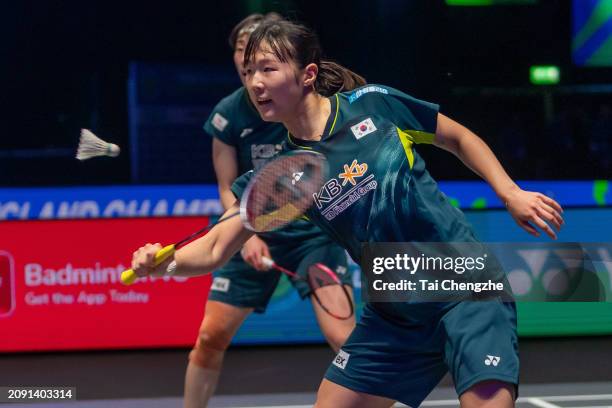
x: 341, y: 359
x: 219, y: 122
x: 220, y: 284
x: 492, y: 360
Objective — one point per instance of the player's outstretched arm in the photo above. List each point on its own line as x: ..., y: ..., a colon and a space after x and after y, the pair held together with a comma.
x: 199, y: 257
x: 529, y: 209
x: 225, y: 162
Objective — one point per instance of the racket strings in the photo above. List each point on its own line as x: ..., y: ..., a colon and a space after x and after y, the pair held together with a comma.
x: 329, y: 292
x: 282, y: 190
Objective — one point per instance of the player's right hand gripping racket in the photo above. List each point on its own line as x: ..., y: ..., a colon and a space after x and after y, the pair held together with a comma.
x: 326, y: 287
x: 276, y: 195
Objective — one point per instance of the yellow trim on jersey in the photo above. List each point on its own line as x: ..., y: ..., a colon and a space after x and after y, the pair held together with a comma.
x: 419, y: 137
x: 335, y: 117
x: 409, y: 137
x: 406, y: 140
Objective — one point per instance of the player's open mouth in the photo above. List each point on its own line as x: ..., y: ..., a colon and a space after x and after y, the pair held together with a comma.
x: 264, y: 102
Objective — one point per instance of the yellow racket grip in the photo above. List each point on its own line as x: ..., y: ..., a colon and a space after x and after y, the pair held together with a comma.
x: 129, y: 276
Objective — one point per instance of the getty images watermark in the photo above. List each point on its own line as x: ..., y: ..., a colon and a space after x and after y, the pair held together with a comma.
x: 473, y: 271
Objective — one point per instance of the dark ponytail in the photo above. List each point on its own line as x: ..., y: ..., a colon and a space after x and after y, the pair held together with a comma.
x: 333, y: 78
x: 290, y: 41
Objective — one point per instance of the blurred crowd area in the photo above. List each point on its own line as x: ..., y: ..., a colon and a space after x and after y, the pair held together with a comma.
x: 537, y: 135
x: 69, y: 69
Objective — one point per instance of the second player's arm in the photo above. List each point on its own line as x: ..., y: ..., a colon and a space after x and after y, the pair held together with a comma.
x: 225, y: 162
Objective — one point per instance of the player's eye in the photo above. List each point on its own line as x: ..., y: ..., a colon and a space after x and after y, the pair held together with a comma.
x: 269, y: 69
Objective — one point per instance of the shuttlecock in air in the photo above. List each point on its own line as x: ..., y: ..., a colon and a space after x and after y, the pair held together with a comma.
x: 91, y: 145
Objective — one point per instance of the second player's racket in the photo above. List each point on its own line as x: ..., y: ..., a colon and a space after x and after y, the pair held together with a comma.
x: 276, y: 195
x: 326, y: 287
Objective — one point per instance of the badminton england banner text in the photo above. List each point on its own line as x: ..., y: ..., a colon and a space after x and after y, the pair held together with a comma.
x: 181, y: 200
x: 59, y: 271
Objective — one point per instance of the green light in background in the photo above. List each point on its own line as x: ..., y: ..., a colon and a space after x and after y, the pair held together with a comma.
x: 479, y: 203
x: 469, y: 2
x: 544, y: 74
x: 600, y: 189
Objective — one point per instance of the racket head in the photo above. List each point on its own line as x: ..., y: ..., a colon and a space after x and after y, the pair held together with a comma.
x: 329, y: 292
x: 282, y: 190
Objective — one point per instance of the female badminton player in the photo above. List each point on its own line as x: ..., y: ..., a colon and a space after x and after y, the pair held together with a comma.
x: 398, y: 351
x: 241, y: 142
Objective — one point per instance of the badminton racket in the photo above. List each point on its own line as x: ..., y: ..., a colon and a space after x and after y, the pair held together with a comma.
x: 326, y: 287
x: 276, y: 195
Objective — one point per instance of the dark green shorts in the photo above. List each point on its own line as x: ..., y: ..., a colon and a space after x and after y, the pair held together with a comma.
x: 404, y: 361
x: 238, y: 284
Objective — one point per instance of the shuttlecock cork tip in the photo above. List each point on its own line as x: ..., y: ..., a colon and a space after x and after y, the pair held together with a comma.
x: 113, y: 150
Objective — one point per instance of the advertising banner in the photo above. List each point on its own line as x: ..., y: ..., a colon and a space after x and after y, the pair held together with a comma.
x: 60, y: 287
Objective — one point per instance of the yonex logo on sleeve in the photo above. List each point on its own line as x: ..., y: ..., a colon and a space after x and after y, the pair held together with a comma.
x: 219, y: 122
x: 220, y: 284
x: 246, y: 132
x: 341, y: 359
x: 492, y: 360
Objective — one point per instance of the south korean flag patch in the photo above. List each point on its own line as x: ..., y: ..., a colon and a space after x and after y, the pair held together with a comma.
x: 365, y: 127
x: 219, y: 122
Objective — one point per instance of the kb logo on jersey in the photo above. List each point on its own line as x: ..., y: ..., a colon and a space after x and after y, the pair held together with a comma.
x: 332, y: 188
x: 351, y: 173
x: 264, y: 151
x: 261, y: 153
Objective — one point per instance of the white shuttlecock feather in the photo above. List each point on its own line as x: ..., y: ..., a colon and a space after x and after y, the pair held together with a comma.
x: 91, y: 145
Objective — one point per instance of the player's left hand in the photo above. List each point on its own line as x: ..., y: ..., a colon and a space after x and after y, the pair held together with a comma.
x: 253, y: 251
x: 530, y: 210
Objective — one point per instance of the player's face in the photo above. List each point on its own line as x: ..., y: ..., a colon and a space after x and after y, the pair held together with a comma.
x: 239, y: 47
x: 274, y: 86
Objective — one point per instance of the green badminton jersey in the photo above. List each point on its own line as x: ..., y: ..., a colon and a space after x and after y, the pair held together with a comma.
x: 236, y: 122
x: 378, y: 188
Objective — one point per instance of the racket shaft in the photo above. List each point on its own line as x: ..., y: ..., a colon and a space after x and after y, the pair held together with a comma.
x: 129, y: 276
x: 201, y: 231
